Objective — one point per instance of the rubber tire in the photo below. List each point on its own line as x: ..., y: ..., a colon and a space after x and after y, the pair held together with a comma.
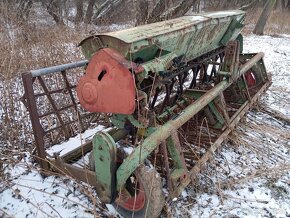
x: 151, y: 182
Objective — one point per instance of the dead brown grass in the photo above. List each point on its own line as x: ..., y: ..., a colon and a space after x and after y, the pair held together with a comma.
x: 26, y: 46
x: 278, y: 23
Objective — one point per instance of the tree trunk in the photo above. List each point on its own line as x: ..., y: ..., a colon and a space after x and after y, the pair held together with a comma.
x: 259, y: 28
x: 196, y: 8
x: 23, y: 9
x: 107, y: 10
x: 54, y: 9
x: 90, y: 10
x: 279, y: 5
x: 142, y: 12
x: 181, y: 9
x: 80, y: 11
x: 157, y: 11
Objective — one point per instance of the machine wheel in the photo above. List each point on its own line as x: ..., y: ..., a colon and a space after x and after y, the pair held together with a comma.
x: 149, y: 199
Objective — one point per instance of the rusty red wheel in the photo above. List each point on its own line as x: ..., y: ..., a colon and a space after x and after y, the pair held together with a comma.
x: 132, y: 197
x: 250, y: 78
x: 142, y: 195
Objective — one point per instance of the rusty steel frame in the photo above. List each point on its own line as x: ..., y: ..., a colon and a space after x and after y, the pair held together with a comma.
x: 141, y: 152
x: 61, y: 164
x: 29, y: 98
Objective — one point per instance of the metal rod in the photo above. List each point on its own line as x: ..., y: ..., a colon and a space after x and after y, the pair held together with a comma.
x: 58, y: 68
x: 163, y: 132
x: 247, y: 66
x: 36, y: 126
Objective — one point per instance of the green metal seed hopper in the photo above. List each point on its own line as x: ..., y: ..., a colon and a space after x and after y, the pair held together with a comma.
x: 172, y: 91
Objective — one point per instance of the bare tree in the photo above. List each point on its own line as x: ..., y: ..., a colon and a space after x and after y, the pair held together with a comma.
x: 259, y: 28
x: 141, y: 12
x: 112, y: 10
x: 157, y: 11
x: 182, y: 8
x: 54, y: 8
x: 20, y: 8
x: 80, y: 11
x: 24, y: 8
x: 160, y: 12
x: 282, y: 5
x: 90, y: 10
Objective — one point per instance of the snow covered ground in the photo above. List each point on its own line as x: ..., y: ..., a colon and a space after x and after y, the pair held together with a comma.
x: 248, y: 177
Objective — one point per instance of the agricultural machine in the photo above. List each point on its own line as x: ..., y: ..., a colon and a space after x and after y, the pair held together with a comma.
x: 162, y: 98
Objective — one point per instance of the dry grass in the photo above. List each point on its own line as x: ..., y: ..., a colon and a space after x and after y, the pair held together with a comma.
x: 278, y: 23
x: 26, y: 46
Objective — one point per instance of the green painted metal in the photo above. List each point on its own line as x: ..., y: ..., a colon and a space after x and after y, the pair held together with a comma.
x: 220, y: 120
x: 174, y: 154
x: 256, y: 59
x: 170, y: 111
x: 188, y: 36
x: 163, y: 132
x: 105, y: 156
x: 180, y: 179
x: 241, y: 41
x: 179, y: 175
x: 119, y: 120
x: 232, y: 32
x: 162, y: 48
x: 195, y: 94
x: 224, y: 73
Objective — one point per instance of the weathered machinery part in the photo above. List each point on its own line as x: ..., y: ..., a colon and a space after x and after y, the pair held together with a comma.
x: 142, y: 195
x: 171, y: 38
x: 108, y: 85
x: 163, y: 132
x: 173, y: 90
x: 105, y: 158
x: 165, y: 77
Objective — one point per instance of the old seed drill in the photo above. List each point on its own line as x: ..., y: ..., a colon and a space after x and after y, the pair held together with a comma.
x: 166, y: 94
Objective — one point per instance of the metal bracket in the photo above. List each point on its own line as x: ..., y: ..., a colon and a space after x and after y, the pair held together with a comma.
x: 105, y: 155
x: 179, y: 176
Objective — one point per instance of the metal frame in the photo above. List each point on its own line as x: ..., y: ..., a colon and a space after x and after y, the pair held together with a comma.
x: 166, y: 135
x: 30, y: 100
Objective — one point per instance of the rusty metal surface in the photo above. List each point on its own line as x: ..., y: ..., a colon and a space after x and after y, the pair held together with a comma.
x: 188, y: 104
x: 186, y: 22
x: 33, y: 113
x: 179, y: 36
x: 163, y: 132
x: 53, y: 107
x: 222, y: 137
x: 108, y: 86
x: 74, y: 172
